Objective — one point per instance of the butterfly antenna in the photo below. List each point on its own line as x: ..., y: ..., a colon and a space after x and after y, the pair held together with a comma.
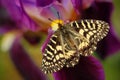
x: 52, y: 20
x: 58, y: 16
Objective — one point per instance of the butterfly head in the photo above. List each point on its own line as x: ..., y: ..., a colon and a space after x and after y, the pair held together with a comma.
x: 55, y: 24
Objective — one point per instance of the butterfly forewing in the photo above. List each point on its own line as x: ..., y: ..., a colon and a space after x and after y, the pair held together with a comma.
x: 92, y: 30
x: 74, y: 39
x: 53, y: 57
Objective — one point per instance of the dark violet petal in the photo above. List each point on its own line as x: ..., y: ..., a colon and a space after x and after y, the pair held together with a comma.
x: 99, y: 10
x: 6, y: 23
x: 102, y: 10
x: 12, y: 8
x: 31, y: 2
x: 43, y: 3
x: 50, y: 32
x: 32, y: 37
x: 24, y: 64
x: 41, y: 14
x: 109, y: 45
x: 88, y: 68
x: 5, y: 29
x: 18, y: 15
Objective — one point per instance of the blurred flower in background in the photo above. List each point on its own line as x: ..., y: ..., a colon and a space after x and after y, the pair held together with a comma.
x: 28, y: 20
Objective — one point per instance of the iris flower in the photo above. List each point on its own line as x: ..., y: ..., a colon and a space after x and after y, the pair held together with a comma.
x: 28, y: 18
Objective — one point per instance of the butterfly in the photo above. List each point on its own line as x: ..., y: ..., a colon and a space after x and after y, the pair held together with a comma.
x: 72, y: 40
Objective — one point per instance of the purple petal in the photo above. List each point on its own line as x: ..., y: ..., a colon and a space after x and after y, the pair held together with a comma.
x: 51, y: 11
x: 88, y: 68
x: 108, y: 46
x: 50, y: 32
x: 79, y: 5
x: 6, y: 23
x: 102, y: 10
x: 17, y: 14
x: 43, y: 3
x: 41, y: 14
x: 24, y: 64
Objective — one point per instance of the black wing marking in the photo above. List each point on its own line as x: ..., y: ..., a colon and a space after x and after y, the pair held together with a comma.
x: 53, y: 57
x: 93, y: 31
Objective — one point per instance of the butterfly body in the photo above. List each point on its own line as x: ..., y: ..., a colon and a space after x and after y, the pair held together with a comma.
x: 70, y: 41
